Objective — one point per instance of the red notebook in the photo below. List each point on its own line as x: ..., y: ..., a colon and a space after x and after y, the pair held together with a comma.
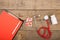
x: 9, y: 25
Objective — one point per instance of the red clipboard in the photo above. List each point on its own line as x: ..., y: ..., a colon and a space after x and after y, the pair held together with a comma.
x: 9, y: 25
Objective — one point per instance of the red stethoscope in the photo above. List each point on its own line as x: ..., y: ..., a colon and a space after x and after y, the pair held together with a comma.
x: 45, y: 29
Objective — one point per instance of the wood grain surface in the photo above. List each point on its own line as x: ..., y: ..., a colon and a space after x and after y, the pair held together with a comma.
x: 31, y: 8
x: 29, y: 4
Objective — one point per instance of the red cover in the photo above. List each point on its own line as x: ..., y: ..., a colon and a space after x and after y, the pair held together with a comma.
x: 9, y: 25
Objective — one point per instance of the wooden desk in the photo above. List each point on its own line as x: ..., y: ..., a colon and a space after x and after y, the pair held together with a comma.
x: 31, y: 8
